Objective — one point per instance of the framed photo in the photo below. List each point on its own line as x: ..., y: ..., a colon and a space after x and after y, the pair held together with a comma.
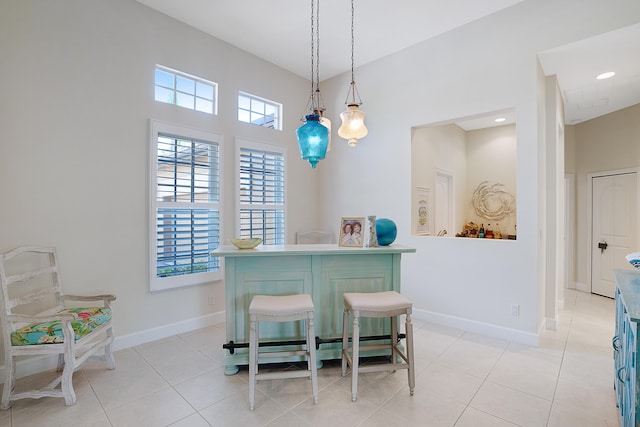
x: 351, y: 231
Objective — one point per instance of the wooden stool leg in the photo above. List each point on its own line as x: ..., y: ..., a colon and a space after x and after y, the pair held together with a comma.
x: 409, y: 352
x: 394, y: 340
x: 312, y: 363
x: 345, y: 340
x: 355, y: 356
x: 253, y: 361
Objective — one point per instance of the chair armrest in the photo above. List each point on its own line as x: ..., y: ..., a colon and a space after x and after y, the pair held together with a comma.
x: 24, y: 318
x: 105, y: 297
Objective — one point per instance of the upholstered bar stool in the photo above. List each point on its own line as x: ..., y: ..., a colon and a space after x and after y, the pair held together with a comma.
x: 285, y: 308
x: 376, y: 304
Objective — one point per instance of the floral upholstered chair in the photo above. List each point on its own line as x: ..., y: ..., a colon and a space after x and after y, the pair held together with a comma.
x: 36, y: 321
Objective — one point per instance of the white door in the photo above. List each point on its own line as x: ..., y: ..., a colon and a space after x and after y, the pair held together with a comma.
x: 614, y: 230
x: 444, y: 204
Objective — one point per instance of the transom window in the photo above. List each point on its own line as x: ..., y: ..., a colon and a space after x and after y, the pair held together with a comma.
x: 259, y: 111
x: 185, y: 205
x: 184, y: 90
x: 261, y: 191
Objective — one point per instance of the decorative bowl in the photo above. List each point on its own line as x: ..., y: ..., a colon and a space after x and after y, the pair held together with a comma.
x: 634, y: 259
x: 246, y: 243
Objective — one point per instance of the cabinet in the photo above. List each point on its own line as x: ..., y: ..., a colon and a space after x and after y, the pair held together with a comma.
x: 323, y: 271
x: 625, y: 346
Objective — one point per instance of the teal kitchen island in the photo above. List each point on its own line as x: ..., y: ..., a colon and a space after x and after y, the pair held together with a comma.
x: 323, y: 271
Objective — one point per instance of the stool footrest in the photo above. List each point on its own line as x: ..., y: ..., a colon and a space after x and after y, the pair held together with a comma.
x: 385, y: 367
x: 283, y: 375
x: 282, y: 353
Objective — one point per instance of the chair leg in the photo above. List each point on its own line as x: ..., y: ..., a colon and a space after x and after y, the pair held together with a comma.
x: 108, y: 351
x: 9, y: 382
x: 253, y: 362
x: 311, y: 348
x: 409, y: 352
x: 60, y: 366
x: 67, y: 378
x: 355, y: 357
x: 345, y: 340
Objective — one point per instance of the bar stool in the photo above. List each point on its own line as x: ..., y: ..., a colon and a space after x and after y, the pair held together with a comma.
x: 376, y: 304
x: 285, y: 308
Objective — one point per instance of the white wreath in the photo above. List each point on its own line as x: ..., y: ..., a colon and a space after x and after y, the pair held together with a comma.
x: 493, y: 201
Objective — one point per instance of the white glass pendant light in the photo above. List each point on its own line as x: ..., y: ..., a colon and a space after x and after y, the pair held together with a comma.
x: 352, y: 127
x: 313, y: 136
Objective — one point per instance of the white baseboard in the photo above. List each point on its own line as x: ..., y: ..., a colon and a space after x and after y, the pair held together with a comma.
x: 583, y: 287
x: 488, y: 329
x: 137, y: 338
x: 37, y: 364
x: 551, y: 323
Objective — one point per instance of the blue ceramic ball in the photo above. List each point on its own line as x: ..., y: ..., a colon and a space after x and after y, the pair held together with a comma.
x: 386, y: 231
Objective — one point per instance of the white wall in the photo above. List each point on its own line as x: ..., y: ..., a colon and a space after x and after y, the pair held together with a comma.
x: 487, y: 65
x: 77, y: 95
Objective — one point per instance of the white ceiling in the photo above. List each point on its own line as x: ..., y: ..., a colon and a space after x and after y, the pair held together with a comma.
x: 280, y: 32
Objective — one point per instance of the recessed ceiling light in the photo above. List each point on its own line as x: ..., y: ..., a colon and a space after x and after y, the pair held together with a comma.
x: 500, y: 120
x: 606, y: 75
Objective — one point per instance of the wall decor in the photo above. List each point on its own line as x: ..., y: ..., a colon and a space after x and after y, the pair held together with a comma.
x: 351, y: 231
x: 423, y: 222
x: 492, y: 201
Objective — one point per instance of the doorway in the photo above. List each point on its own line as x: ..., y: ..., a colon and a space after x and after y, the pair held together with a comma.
x: 614, y: 226
x: 444, y: 204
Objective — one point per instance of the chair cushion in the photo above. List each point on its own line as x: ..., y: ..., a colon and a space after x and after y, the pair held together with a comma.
x: 87, y: 319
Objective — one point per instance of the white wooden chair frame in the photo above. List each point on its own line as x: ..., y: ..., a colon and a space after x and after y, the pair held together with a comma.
x: 71, y: 353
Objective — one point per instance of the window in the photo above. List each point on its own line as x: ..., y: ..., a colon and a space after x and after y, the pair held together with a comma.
x: 184, y: 90
x: 259, y: 111
x: 185, y: 204
x: 261, y: 191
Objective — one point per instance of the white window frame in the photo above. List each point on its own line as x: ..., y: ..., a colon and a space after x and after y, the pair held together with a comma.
x: 163, y: 283
x: 177, y: 92
x: 277, y: 122
x: 241, y: 143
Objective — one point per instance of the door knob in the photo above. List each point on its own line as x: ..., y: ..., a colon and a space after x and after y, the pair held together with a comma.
x: 602, y: 246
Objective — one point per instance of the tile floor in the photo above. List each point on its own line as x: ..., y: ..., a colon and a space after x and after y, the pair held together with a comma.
x: 463, y: 380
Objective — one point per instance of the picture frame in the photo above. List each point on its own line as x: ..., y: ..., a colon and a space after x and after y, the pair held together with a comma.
x: 349, y: 236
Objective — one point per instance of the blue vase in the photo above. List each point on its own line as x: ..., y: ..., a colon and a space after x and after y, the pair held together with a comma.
x: 386, y: 231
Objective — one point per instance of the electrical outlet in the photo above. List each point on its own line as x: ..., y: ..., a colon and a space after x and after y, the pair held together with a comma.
x: 515, y: 309
x: 211, y: 301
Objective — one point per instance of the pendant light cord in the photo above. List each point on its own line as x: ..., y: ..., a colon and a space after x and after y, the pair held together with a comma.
x: 353, y: 80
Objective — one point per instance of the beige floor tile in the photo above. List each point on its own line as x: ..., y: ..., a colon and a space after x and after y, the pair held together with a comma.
x: 176, y: 361
x: 425, y: 408
x: 474, y: 354
x: 512, y: 405
x: 528, y: 369
x: 234, y: 411
x: 210, y: 387
x: 132, y: 379
x: 472, y: 417
x: 449, y: 383
x: 563, y: 416
x: 335, y: 406
x: 193, y: 420
x: 158, y: 409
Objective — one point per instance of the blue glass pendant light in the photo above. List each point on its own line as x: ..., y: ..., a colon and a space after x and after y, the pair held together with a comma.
x: 313, y: 139
x: 313, y: 136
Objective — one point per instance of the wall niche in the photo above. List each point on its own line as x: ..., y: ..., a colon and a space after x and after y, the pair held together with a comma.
x: 463, y: 174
